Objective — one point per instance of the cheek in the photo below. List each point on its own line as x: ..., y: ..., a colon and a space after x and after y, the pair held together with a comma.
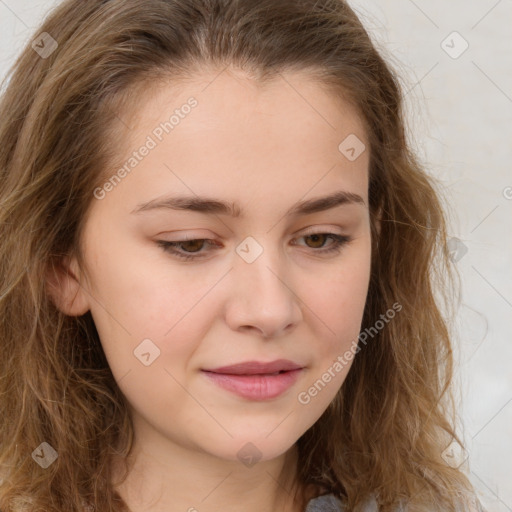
x: 139, y: 302
x: 338, y: 299
x: 339, y: 306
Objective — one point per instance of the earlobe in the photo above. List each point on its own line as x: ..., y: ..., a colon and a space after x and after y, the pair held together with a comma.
x: 63, y: 285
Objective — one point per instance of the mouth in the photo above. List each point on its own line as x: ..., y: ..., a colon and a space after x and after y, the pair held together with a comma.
x: 258, y: 368
x: 256, y: 380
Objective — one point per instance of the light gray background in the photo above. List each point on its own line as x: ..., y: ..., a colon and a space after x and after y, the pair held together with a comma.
x: 460, y: 122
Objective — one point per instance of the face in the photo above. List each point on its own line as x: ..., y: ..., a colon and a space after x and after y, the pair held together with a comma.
x: 178, y: 292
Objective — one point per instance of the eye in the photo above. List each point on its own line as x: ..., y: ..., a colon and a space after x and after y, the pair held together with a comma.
x: 318, y: 239
x: 192, y: 249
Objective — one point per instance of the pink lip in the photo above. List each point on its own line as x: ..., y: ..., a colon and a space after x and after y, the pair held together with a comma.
x: 256, y: 367
x: 255, y: 380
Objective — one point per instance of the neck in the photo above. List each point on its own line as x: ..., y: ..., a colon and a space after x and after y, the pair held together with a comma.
x: 192, y: 481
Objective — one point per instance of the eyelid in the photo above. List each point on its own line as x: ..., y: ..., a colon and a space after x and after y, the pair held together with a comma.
x: 317, y: 229
x: 313, y: 229
x: 339, y: 241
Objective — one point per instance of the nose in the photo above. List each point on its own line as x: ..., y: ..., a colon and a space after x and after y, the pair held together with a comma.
x: 262, y: 297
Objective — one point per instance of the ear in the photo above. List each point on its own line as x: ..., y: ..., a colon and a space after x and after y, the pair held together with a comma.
x: 64, y: 288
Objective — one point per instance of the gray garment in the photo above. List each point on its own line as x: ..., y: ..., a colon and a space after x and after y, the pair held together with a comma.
x: 326, y: 503
x: 329, y: 503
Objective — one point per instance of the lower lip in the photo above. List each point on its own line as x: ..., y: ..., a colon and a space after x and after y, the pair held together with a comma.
x: 255, y: 387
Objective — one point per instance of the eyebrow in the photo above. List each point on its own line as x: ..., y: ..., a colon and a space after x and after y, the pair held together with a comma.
x: 208, y: 205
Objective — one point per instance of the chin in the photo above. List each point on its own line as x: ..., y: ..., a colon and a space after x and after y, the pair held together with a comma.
x: 260, y: 447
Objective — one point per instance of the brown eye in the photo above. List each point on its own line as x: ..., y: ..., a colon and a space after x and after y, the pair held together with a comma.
x: 317, y: 242
x: 192, y: 245
x: 318, y: 239
x: 188, y: 249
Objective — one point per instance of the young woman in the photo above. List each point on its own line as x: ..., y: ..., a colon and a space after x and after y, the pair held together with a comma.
x: 221, y: 267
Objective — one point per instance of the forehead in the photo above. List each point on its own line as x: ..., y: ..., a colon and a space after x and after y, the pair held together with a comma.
x: 279, y: 137
x: 228, y: 98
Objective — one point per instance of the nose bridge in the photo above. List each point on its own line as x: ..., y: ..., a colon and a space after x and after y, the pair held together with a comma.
x: 259, y: 266
x: 264, y: 297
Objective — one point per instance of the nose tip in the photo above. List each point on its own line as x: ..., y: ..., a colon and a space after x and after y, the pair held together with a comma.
x: 263, y: 300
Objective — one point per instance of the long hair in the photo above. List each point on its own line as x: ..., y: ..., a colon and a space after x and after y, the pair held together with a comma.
x: 385, y: 432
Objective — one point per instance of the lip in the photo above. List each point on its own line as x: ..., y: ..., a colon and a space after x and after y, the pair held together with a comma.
x: 257, y: 367
x: 255, y: 380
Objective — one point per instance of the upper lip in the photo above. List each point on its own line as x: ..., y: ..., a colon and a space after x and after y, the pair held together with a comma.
x: 257, y: 367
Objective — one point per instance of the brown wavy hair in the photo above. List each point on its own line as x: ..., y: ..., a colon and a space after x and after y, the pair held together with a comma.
x: 385, y: 431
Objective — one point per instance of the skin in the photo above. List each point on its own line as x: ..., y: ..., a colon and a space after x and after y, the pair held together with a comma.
x: 265, y: 147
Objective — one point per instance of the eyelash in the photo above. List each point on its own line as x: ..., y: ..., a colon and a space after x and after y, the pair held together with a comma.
x: 338, y: 242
